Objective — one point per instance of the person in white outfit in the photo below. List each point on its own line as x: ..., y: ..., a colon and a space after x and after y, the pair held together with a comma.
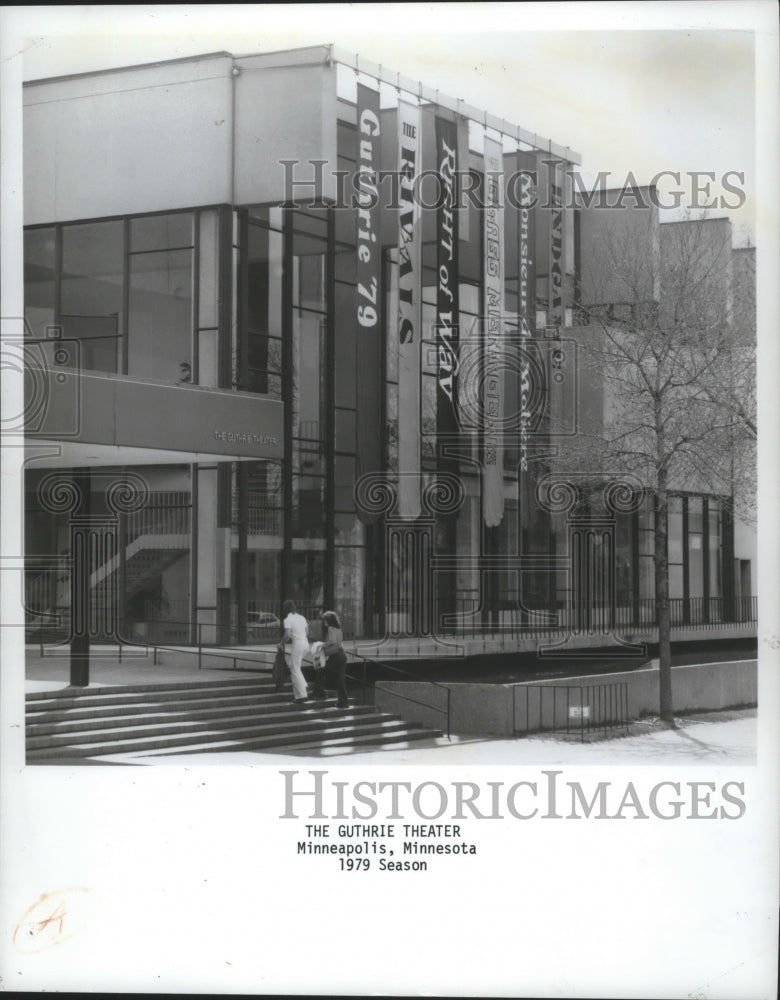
x: 295, y: 642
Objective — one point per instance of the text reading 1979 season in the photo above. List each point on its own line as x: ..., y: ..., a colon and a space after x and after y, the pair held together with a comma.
x: 356, y: 845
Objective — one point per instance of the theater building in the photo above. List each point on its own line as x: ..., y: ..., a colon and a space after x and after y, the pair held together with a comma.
x: 300, y: 327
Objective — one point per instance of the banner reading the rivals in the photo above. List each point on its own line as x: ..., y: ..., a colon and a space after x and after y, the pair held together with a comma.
x: 368, y: 267
x: 447, y: 298
x: 493, y: 375
x: 409, y: 312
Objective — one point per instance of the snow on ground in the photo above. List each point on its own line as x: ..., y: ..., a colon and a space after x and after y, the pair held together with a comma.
x: 711, y: 738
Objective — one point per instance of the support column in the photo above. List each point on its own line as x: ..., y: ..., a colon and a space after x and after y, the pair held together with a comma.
x: 206, y: 548
x: 79, y: 581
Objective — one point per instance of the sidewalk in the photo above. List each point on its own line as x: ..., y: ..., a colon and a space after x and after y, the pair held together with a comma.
x: 51, y: 671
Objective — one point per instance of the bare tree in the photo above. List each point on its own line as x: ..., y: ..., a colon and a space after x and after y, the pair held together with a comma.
x: 675, y: 368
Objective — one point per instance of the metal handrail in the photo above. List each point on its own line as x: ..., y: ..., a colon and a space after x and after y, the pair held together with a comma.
x: 400, y: 670
x: 156, y: 647
x: 605, y: 701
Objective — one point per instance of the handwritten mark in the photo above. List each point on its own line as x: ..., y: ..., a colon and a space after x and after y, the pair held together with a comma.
x: 53, y: 918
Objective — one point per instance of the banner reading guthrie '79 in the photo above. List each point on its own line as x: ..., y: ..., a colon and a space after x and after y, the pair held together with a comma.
x: 493, y: 376
x: 409, y: 312
x: 368, y: 265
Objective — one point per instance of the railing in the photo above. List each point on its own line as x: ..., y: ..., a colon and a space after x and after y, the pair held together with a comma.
x: 266, y: 657
x: 471, y: 619
x: 405, y: 697
x: 579, y: 709
x: 165, y: 513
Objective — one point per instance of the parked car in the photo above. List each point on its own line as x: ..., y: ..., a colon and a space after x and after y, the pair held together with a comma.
x: 262, y: 626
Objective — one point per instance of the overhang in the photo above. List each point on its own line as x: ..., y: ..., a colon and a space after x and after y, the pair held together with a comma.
x: 78, y: 418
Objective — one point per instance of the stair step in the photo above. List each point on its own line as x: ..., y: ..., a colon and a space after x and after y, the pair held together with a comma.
x: 248, y: 740
x: 262, y: 701
x: 173, y: 728
x: 161, y: 718
x: 177, y: 718
x: 349, y: 737
x: 411, y: 734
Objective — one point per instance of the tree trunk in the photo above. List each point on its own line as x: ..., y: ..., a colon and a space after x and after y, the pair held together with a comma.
x: 666, y: 708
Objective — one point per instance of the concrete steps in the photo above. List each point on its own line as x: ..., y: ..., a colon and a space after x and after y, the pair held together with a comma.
x: 155, y: 719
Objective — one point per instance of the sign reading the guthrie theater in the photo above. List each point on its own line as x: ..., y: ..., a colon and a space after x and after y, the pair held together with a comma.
x: 368, y: 265
x: 409, y: 311
x: 492, y: 381
x: 447, y: 304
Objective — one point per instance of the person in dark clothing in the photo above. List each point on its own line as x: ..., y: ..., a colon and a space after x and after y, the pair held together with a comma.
x: 336, y: 658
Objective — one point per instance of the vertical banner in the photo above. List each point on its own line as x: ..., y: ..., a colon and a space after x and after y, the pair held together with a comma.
x: 409, y: 311
x: 555, y: 316
x: 368, y: 299
x: 493, y: 373
x: 447, y: 299
x: 525, y: 193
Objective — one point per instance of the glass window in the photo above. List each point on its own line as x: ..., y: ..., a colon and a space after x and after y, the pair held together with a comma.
x: 309, y: 275
x: 270, y: 216
x: 160, y: 315
x: 264, y: 502
x: 264, y: 281
x: 308, y: 509
x: 349, y: 586
x: 264, y: 581
x: 646, y: 542
x: 349, y: 529
x: 314, y: 222
x: 344, y: 483
x: 264, y: 365
x: 161, y: 232
x: 695, y: 522
x: 39, y: 285
x: 675, y: 532
x: 264, y: 312
x: 208, y: 304
x: 91, y: 292
x: 309, y: 375
x: 307, y: 572
x: 646, y: 578
x: 714, y: 546
x: 695, y: 566
x: 308, y: 457
x: 346, y: 138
